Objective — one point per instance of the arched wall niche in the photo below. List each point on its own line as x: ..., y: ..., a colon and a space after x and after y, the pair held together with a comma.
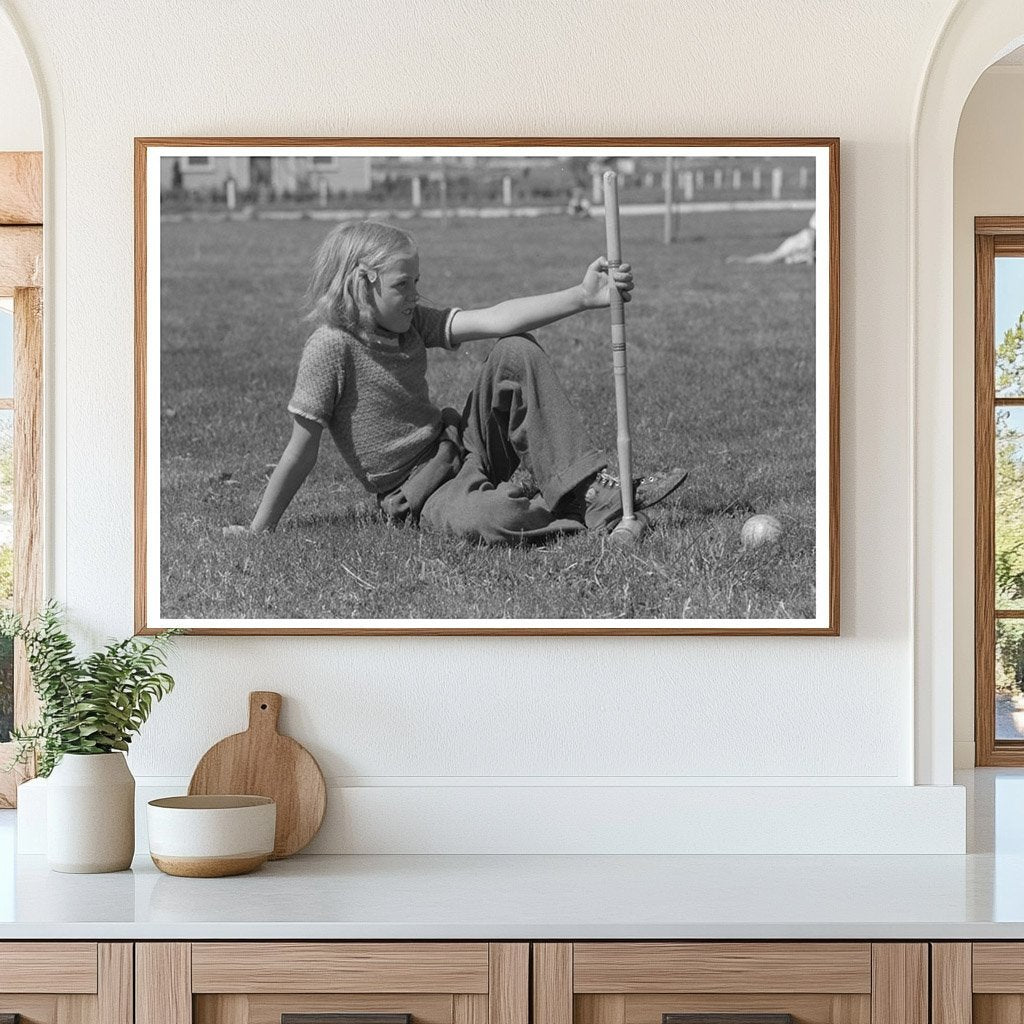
x: 986, y: 182
x: 976, y: 34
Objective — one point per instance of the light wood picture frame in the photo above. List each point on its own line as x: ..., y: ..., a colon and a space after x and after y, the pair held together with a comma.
x: 733, y: 348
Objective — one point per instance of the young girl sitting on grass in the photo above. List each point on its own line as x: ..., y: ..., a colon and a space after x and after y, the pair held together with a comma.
x: 362, y: 376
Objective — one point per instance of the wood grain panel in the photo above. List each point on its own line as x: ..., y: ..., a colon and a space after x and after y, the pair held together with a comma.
x: 552, y: 983
x: 998, y: 1009
x: 636, y: 967
x: 229, y: 1009
x: 595, y: 1009
x: 115, y: 1002
x: 998, y: 967
x: 260, y: 761
x: 65, y: 967
x: 21, y: 259
x: 28, y: 483
x: 21, y: 188
x: 1010, y: 244
x: 984, y: 502
x: 76, y: 1010
x: 141, y: 273
x: 468, y: 1009
x: 34, y: 1009
x: 8, y: 784
x: 508, y: 992
x: 805, y: 1008
x: 951, y: 983
x: 834, y: 207
x: 998, y: 225
x: 267, y: 1009
x: 163, y: 983
x: 848, y: 1009
x: 899, y: 991
x: 339, y: 967
x: 10, y: 781
x: 28, y: 553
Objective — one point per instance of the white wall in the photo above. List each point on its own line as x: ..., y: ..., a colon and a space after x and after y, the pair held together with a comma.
x: 443, y: 714
x: 987, y: 182
x: 21, y: 127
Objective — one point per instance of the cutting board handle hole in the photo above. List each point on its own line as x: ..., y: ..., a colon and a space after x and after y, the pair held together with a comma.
x: 263, y: 707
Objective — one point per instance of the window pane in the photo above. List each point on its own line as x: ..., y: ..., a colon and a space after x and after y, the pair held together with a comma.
x: 1009, y: 324
x: 6, y: 353
x: 1009, y: 522
x: 1009, y: 679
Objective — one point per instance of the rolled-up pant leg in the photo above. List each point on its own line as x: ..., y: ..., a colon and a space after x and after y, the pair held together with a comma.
x: 518, y: 413
x: 472, y: 507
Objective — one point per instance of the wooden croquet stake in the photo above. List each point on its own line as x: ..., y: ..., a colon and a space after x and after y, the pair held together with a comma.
x: 618, y: 319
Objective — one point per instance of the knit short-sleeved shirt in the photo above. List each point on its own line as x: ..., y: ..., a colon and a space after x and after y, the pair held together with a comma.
x: 372, y: 395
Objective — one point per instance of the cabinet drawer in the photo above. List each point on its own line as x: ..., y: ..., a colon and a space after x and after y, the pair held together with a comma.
x: 332, y: 983
x: 58, y: 967
x: 998, y: 967
x: 730, y: 983
x: 340, y: 967
x: 634, y: 967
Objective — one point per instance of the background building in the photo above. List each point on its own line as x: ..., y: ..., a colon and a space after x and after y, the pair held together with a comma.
x: 207, y: 176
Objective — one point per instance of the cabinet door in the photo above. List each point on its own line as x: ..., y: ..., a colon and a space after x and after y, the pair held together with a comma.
x: 66, y: 982
x: 980, y: 982
x: 332, y: 983
x: 730, y: 983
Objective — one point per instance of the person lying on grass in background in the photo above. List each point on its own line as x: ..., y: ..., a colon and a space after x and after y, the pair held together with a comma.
x: 798, y: 248
x: 362, y: 376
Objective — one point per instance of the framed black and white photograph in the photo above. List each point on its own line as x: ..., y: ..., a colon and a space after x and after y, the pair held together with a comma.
x: 495, y: 386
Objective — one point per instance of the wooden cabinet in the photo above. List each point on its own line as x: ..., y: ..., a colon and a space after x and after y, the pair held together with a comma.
x: 977, y: 982
x: 652, y: 982
x: 262, y: 982
x: 512, y: 982
x: 66, y: 982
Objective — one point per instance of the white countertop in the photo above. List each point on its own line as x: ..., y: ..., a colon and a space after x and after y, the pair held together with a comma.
x: 517, y: 897
x: 976, y: 896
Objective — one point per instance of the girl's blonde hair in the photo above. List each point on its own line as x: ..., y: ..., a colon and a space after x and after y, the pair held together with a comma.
x: 338, y: 289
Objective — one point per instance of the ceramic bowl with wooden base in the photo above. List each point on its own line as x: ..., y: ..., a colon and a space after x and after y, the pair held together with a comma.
x: 211, y: 836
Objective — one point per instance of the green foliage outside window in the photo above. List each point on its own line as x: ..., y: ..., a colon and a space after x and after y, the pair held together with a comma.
x: 1009, y: 510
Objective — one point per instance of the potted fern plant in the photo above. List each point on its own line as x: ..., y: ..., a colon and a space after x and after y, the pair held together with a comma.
x: 90, y: 708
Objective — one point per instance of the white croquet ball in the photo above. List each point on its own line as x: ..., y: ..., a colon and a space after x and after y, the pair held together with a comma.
x: 760, y: 530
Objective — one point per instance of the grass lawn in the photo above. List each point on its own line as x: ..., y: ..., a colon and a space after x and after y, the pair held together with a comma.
x: 721, y: 360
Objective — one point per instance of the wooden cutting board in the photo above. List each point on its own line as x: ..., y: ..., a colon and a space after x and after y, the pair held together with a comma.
x: 262, y: 762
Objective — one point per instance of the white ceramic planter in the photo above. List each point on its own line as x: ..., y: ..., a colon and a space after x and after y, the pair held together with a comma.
x: 90, y: 814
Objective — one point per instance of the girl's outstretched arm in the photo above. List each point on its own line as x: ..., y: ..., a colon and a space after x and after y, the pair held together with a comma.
x: 298, y: 459
x: 517, y: 315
